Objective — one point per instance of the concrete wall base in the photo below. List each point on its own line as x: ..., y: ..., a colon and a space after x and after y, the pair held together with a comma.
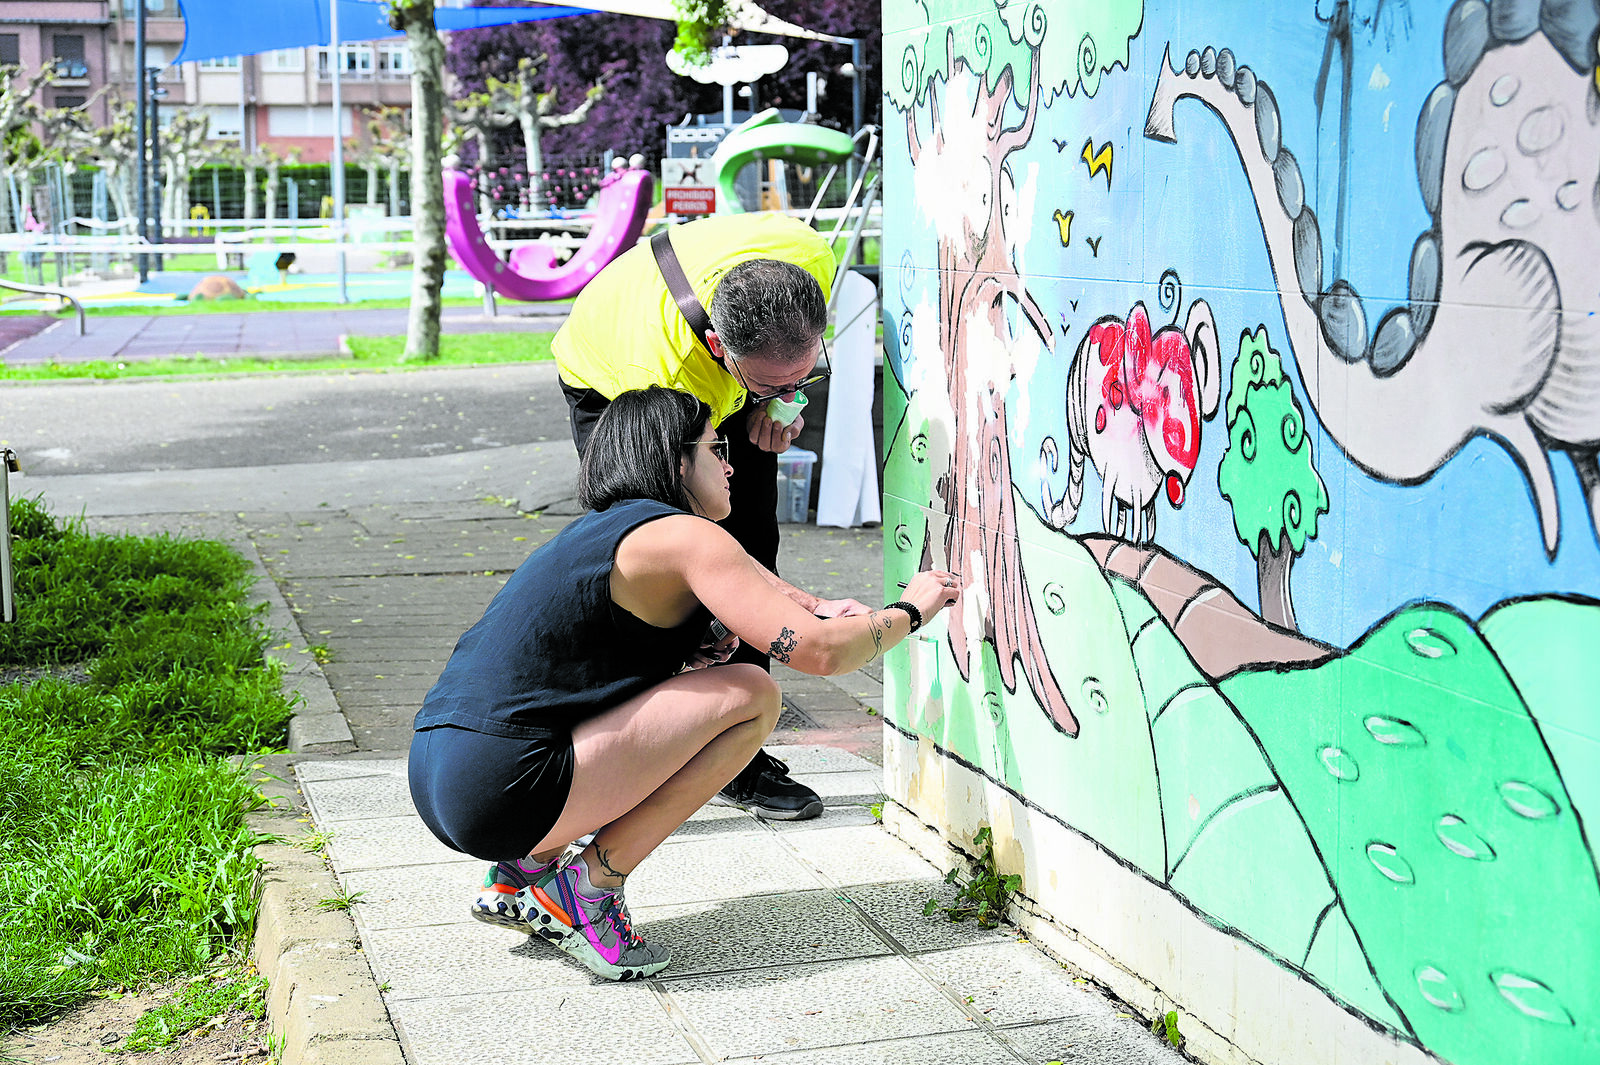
x: 1125, y: 932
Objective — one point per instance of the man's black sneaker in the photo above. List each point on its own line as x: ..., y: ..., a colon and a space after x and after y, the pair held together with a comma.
x: 765, y: 788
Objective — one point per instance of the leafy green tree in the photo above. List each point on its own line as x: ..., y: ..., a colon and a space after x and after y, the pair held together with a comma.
x: 1267, y: 473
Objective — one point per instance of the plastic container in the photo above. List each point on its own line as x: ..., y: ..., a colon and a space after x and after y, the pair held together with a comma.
x: 785, y: 411
x: 794, y: 485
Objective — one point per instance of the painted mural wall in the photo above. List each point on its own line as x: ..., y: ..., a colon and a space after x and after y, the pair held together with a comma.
x: 1246, y: 365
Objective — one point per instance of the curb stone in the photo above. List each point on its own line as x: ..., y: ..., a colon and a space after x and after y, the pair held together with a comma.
x: 322, y: 998
x: 318, y: 725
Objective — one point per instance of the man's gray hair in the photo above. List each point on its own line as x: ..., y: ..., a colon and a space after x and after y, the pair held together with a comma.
x: 769, y: 309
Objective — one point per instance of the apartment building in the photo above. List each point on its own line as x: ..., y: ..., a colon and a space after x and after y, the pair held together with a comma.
x: 282, y: 99
x: 74, y: 34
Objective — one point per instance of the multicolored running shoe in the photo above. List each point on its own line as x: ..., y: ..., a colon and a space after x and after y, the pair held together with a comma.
x: 508, y: 894
x: 601, y: 933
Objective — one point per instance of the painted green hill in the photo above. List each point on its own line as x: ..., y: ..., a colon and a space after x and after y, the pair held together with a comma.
x: 1429, y: 792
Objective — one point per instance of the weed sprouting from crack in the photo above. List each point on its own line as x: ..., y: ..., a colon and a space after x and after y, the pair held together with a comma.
x: 984, y: 894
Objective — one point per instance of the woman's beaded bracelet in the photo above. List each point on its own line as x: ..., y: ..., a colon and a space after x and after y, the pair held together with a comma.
x: 916, y: 615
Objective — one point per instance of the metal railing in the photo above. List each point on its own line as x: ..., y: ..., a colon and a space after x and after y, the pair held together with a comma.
x: 44, y: 290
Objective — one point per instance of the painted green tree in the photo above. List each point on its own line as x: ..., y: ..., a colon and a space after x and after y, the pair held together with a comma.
x: 1268, y: 474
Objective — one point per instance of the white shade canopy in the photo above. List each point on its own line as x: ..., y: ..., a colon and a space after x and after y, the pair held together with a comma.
x: 745, y: 16
x: 733, y: 64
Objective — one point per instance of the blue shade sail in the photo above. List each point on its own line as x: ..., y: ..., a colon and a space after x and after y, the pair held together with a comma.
x: 217, y: 29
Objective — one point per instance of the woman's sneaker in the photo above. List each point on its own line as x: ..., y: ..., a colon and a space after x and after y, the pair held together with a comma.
x: 601, y: 932
x: 508, y: 899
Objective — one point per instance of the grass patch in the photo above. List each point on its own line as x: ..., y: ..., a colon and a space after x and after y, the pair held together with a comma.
x: 367, y: 353
x: 203, y: 998
x: 460, y: 348
x: 124, y: 853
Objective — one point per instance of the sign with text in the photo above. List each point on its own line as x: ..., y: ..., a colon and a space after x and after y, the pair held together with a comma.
x: 687, y: 186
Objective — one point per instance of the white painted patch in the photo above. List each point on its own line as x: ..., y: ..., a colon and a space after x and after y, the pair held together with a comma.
x: 953, y: 178
x: 1379, y: 79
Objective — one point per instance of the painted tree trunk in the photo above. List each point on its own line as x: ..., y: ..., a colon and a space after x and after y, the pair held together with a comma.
x: 977, y: 283
x: 1272, y: 572
x: 372, y: 183
x: 427, y: 181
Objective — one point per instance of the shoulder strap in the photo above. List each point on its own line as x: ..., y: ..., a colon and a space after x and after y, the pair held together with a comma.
x: 678, y: 285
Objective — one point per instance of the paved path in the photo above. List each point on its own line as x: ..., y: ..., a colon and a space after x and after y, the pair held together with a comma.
x: 798, y: 944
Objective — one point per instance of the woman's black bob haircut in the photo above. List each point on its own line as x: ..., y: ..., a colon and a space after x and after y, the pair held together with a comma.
x: 636, y: 446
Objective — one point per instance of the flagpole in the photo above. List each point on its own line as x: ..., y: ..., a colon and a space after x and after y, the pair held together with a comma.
x: 338, y: 146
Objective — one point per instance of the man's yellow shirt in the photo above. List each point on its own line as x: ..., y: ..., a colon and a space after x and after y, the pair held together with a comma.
x: 625, y: 330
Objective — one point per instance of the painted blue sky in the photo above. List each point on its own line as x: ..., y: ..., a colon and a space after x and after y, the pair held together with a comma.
x: 1468, y: 536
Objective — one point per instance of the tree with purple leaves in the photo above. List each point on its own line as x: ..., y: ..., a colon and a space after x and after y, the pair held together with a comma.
x: 786, y: 89
x: 622, y: 51
x: 642, y: 95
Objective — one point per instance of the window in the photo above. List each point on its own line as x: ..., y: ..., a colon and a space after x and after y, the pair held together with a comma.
x: 227, y: 62
x: 72, y: 101
x: 355, y: 61
x: 288, y: 121
x: 394, y: 61
x: 284, y: 61
x: 155, y: 7
x: 68, y: 51
x: 224, y: 122
x: 11, y: 48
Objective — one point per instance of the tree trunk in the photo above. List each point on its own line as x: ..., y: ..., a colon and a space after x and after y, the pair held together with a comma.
x: 394, y: 188
x: 270, y: 211
x: 249, y: 193
x: 1272, y: 575
x: 427, y: 180
x: 534, y: 150
x: 485, y: 165
x: 119, y: 184
x: 372, y: 183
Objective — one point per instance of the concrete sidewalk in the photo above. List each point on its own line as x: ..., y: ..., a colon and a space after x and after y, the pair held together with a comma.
x: 795, y: 943
x: 799, y: 943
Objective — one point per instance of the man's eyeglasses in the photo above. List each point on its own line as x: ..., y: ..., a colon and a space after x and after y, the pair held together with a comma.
x: 719, y: 447
x: 760, y: 398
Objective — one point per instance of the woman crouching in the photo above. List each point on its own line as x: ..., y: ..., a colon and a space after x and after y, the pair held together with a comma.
x: 580, y: 703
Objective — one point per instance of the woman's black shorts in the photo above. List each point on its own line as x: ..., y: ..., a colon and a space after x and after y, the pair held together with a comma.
x: 489, y: 796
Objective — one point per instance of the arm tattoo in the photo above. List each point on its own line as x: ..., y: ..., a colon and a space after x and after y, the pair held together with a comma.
x: 879, y: 626
x: 783, y: 645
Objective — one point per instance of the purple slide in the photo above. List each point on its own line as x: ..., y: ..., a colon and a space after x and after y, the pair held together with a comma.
x: 531, y: 273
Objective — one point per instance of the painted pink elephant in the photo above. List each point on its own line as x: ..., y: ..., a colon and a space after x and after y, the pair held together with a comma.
x: 1134, y: 406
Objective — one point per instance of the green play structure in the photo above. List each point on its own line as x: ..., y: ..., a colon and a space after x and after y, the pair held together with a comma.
x: 766, y: 135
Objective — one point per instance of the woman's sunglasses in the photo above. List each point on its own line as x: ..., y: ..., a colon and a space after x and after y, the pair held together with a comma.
x: 719, y: 447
